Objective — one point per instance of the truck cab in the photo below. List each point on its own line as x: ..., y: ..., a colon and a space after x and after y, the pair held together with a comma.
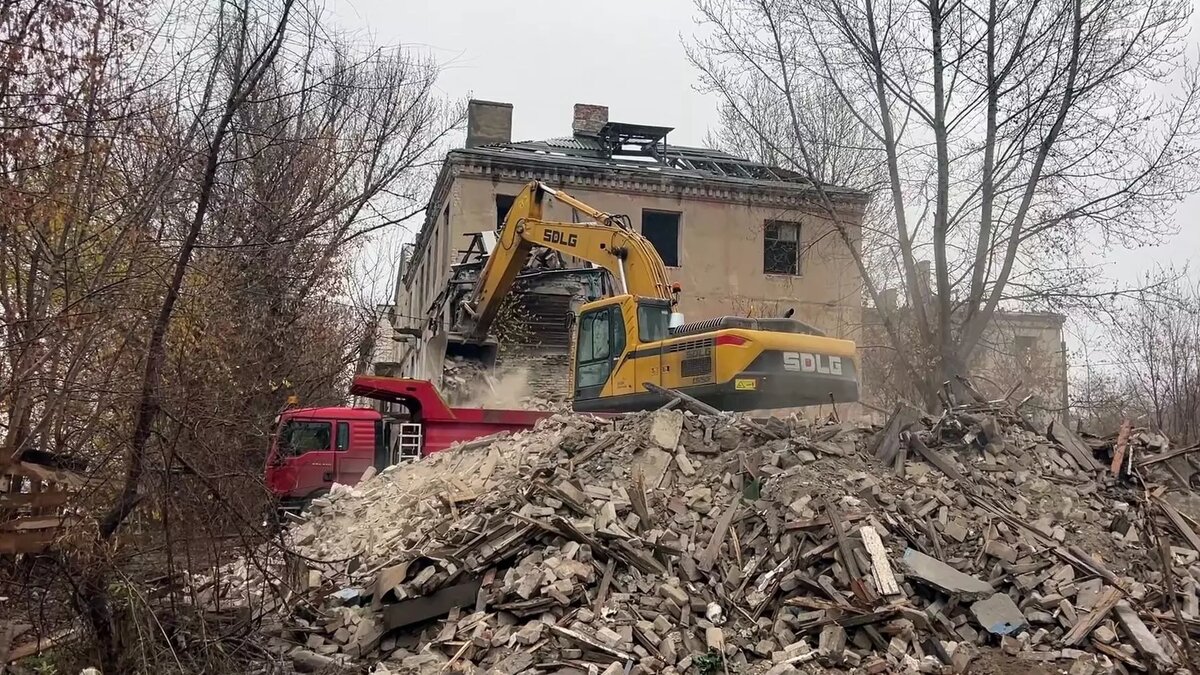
x: 312, y: 448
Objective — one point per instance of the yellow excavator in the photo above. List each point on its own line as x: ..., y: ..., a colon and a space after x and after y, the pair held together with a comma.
x: 624, y: 342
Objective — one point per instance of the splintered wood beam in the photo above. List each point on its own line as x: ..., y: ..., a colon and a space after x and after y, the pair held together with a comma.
x: 1167, y: 455
x: 1109, y: 598
x: 839, y: 531
x: 934, y: 457
x: 885, y: 579
x: 1119, y: 449
x: 1179, y: 524
x: 708, y: 558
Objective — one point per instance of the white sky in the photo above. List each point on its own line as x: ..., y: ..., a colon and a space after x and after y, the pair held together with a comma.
x: 543, y: 56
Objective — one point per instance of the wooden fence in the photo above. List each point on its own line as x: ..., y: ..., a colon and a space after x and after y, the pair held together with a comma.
x: 33, y: 505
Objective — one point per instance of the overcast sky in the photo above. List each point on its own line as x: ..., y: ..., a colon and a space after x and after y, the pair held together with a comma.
x: 543, y: 56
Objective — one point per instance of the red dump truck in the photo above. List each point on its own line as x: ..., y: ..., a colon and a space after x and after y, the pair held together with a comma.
x: 312, y: 448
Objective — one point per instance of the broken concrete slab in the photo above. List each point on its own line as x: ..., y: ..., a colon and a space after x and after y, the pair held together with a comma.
x: 665, y: 427
x: 939, y: 575
x: 998, y: 615
x: 1143, y: 639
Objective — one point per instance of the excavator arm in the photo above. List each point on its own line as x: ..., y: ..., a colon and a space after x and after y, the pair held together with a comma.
x: 606, y: 241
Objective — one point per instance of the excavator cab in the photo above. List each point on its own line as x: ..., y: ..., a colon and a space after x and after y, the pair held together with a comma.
x: 731, y: 363
x: 605, y: 331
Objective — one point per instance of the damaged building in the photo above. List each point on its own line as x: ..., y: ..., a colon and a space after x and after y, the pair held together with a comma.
x: 740, y: 237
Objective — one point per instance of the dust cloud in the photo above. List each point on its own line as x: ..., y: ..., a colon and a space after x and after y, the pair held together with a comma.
x: 507, y: 389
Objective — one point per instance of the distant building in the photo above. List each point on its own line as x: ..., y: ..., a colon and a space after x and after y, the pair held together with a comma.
x: 741, y: 237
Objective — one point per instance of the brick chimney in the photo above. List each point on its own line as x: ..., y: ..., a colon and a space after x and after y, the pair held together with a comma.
x: 488, y: 122
x: 589, y: 119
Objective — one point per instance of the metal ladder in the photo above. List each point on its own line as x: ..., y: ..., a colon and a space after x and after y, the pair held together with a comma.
x: 406, y: 443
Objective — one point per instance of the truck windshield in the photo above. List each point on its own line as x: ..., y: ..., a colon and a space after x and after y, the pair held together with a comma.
x: 301, y: 437
x: 653, y: 321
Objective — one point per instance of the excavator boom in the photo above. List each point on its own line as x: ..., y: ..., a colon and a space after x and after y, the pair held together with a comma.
x: 606, y: 241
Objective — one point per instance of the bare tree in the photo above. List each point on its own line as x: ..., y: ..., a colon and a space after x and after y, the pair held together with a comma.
x: 187, y: 188
x: 1018, y: 137
x: 1157, y: 348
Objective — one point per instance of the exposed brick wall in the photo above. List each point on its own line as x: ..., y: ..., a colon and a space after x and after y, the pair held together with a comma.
x: 589, y: 119
x: 548, y: 370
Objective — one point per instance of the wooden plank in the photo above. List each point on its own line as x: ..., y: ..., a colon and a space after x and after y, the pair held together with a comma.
x: 588, y: 641
x: 1119, y: 449
x: 1109, y: 598
x: 1075, y: 446
x: 706, y: 409
x: 1118, y: 655
x: 388, y: 578
x: 481, y: 598
x: 27, y: 523
x: 415, y: 610
x: 605, y: 581
x: 708, y: 557
x: 637, y: 500
x: 885, y: 579
x: 821, y: 521
x: 37, y: 646
x: 1167, y: 455
x: 934, y: 457
x: 935, y: 540
x: 605, y: 441
x: 1180, y: 524
x: 26, y: 542
x: 39, y: 472
x: 839, y: 531
x: 888, y: 441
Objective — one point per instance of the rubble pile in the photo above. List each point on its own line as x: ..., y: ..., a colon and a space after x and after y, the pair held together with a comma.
x: 463, y: 380
x: 679, y: 542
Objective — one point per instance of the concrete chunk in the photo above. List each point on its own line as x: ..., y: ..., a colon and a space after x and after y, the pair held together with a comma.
x: 943, y: 577
x: 1140, y: 635
x: 998, y: 615
x: 665, y: 427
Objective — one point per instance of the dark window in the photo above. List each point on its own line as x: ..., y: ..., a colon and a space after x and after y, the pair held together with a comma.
x: 503, y: 204
x: 601, y: 340
x: 781, y: 247
x: 343, y: 439
x: 302, y: 437
x: 1023, y: 346
x: 595, y: 336
x: 662, y: 229
x: 618, y: 331
x: 653, y: 322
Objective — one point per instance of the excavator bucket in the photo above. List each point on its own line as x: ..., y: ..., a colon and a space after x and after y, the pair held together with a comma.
x: 458, y: 348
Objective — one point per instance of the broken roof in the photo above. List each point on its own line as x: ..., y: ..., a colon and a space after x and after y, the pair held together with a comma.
x: 643, y: 149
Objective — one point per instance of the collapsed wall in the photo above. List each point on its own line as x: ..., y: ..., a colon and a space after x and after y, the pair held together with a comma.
x: 670, y: 542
